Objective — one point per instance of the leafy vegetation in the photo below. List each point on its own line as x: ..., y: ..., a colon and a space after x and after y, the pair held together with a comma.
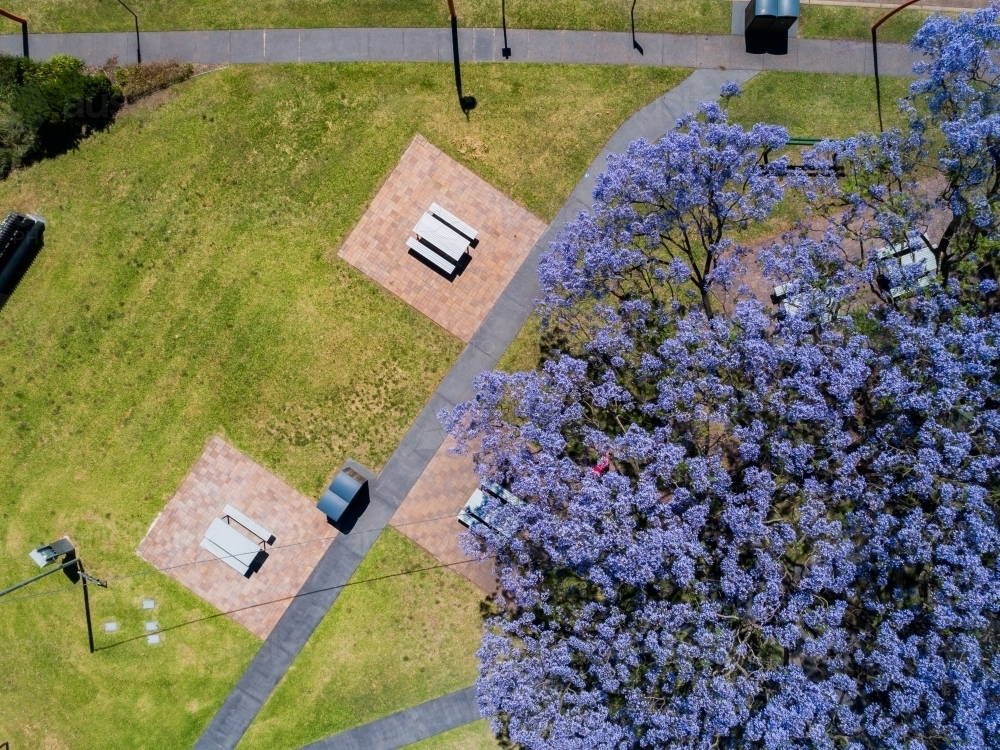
x: 139, y: 80
x: 46, y: 108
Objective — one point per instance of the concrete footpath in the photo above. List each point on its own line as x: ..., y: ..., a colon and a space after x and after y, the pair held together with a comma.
x: 475, y: 45
x: 407, y: 727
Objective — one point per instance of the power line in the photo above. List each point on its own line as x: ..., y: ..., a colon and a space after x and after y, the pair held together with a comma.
x: 296, y: 596
x: 213, y: 559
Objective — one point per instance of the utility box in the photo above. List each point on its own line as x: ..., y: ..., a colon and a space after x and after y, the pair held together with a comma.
x: 347, y: 487
x: 21, y: 237
x: 766, y: 24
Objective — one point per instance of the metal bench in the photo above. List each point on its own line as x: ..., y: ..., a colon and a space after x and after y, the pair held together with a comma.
x: 249, y: 524
x: 425, y: 252
x: 230, y: 546
x: 454, y: 221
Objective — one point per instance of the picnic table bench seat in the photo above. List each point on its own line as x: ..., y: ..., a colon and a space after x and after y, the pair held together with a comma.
x: 249, y: 524
x: 425, y: 252
x: 454, y: 221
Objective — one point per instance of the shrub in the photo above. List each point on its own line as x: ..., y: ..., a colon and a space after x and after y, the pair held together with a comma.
x: 141, y: 80
x: 46, y: 108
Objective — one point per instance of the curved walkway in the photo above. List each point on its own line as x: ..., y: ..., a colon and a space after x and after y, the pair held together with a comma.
x: 476, y: 45
x: 418, y: 447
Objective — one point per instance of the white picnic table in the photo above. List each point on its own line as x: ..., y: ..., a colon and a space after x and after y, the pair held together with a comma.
x: 442, y: 237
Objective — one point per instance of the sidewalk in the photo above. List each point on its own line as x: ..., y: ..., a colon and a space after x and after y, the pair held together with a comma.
x: 475, y: 45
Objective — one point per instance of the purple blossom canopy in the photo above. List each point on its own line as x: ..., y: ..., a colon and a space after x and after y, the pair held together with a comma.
x: 796, y: 545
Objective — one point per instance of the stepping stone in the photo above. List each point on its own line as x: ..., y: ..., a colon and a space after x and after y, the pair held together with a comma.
x: 152, y: 626
x: 152, y: 640
x: 111, y: 627
x: 148, y: 603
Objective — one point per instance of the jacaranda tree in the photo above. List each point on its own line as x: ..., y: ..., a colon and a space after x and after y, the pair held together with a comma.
x: 796, y: 542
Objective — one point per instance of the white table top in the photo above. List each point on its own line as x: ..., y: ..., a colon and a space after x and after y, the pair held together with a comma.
x: 441, y: 236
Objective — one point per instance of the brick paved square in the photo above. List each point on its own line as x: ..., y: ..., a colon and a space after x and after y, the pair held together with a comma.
x: 428, y: 513
x: 377, y: 245
x: 221, y: 476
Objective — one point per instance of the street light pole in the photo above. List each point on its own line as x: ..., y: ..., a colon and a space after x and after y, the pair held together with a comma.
x: 878, y: 88
x: 505, y: 51
x: 24, y: 27
x: 467, y: 103
x: 138, y: 48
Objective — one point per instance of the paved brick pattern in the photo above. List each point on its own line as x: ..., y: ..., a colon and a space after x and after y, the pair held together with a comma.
x: 427, y: 514
x: 377, y: 246
x: 224, y: 476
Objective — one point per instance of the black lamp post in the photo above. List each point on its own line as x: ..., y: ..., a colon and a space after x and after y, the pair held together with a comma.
x: 24, y: 27
x: 138, y: 48
x: 878, y: 88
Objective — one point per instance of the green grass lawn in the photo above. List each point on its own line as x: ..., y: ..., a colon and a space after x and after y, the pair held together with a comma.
x: 846, y: 22
x: 668, y: 16
x: 474, y: 736
x: 384, y: 646
x: 818, y: 105
x: 190, y: 286
x: 677, y: 16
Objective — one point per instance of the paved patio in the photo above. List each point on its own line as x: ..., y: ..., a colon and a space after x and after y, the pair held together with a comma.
x: 377, y: 245
x: 427, y: 515
x: 221, y: 476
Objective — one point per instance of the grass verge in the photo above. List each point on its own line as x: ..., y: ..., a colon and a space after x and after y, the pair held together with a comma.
x: 384, y: 646
x: 847, y: 22
x: 190, y: 286
x: 474, y: 736
x: 817, y: 105
x: 677, y: 16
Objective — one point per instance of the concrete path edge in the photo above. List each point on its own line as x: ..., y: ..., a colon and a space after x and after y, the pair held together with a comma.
x: 475, y: 45
x: 407, y: 727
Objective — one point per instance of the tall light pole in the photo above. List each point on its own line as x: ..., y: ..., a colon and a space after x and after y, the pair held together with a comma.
x: 24, y: 27
x: 505, y: 51
x: 878, y: 88
x: 72, y: 565
x: 138, y: 47
x: 635, y: 44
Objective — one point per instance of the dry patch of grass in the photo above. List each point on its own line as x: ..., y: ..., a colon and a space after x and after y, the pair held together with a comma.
x: 474, y: 736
